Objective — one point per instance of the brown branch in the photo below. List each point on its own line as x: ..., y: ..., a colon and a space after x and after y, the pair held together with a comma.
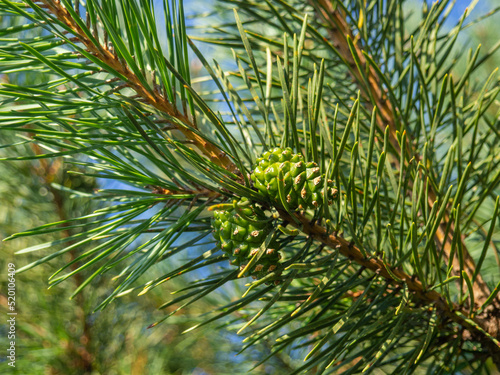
x: 155, y: 99
x: 399, y: 278
x: 48, y: 172
x: 198, y: 193
x: 338, y: 31
x: 375, y: 96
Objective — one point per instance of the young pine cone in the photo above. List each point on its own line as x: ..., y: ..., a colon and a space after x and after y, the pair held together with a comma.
x: 303, y: 184
x: 240, y: 231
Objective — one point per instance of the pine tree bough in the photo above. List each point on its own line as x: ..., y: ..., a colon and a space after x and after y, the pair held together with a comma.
x: 242, y: 228
x: 155, y: 99
x: 232, y: 233
x: 371, y: 89
x: 484, y: 330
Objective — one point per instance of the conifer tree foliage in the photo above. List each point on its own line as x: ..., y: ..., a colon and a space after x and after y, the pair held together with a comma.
x: 388, y: 241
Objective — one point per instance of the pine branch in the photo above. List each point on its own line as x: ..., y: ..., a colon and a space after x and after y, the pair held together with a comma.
x: 343, y: 39
x: 480, y: 328
x: 199, y: 192
x: 371, y: 89
x: 106, y: 54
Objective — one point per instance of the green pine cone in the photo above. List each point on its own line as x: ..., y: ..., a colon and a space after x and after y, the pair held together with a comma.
x: 303, y: 183
x: 240, y: 231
